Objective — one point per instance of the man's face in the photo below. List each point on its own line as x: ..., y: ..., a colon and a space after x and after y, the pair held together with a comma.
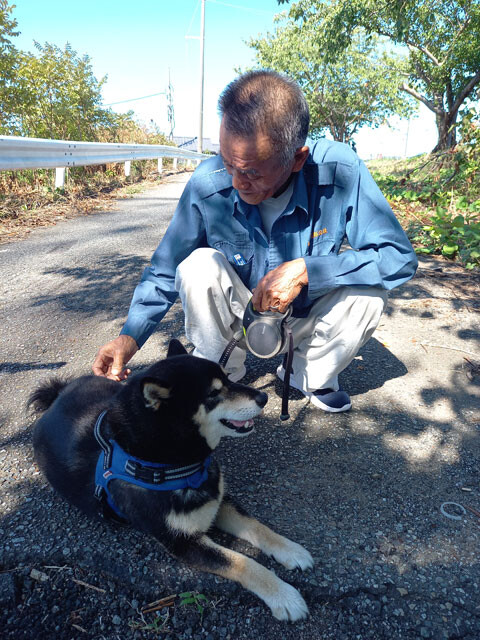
x: 252, y: 163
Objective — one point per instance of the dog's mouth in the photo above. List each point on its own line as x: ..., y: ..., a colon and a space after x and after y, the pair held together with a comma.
x: 240, y: 426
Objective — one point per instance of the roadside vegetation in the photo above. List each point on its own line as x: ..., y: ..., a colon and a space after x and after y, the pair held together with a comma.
x: 436, y: 196
x: 53, y: 93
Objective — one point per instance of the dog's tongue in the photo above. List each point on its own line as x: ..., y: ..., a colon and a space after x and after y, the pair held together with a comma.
x: 242, y: 423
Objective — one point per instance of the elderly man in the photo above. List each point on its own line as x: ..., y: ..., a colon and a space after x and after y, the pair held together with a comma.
x: 270, y: 216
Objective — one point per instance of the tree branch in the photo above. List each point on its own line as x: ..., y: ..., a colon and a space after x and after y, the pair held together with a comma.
x: 418, y: 96
x: 465, y: 92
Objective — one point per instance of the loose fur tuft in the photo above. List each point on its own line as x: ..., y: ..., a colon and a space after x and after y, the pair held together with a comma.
x: 46, y: 394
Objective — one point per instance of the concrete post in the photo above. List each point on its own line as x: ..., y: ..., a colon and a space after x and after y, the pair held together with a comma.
x: 59, y: 177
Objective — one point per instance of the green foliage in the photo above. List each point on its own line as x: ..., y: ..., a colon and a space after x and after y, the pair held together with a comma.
x: 359, y: 87
x: 55, y: 95
x: 451, y: 235
x: 440, y: 38
x: 437, y: 197
x: 195, y: 598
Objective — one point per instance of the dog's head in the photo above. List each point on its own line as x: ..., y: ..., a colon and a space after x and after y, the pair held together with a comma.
x: 193, y: 399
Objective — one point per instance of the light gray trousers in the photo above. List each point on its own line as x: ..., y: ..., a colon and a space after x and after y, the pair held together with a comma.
x: 214, y: 300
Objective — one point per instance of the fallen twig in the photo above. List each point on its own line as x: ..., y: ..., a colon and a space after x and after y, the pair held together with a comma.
x: 472, y: 510
x: 76, y: 626
x: 441, y: 346
x: 167, y: 601
x: 88, y: 586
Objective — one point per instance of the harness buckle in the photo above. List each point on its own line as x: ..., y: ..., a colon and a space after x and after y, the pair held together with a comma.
x: 145, y: 474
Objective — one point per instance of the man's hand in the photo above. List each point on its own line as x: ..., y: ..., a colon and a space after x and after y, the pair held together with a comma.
x: 112, y: 357
x: 279, y: 287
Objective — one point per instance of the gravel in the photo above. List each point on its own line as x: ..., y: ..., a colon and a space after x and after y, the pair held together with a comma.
x: 362, y: 490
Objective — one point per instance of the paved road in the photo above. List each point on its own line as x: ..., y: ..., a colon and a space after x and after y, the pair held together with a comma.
x: 362, y: 491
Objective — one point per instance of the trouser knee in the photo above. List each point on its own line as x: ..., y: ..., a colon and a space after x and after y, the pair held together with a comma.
x: 202, y: 267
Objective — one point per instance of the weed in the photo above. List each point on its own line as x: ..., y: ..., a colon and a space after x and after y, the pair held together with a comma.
x: 195, y: 598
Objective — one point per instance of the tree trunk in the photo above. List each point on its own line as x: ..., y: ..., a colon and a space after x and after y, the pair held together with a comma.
x: 447, y: 137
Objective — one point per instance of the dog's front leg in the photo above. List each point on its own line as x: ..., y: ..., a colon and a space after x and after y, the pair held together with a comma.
x: 232, y: 519
x: 201, y: 552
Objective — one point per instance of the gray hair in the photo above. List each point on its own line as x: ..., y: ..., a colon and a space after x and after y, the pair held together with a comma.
x: 270, y: 103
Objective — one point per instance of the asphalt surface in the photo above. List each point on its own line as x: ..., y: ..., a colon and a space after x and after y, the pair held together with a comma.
x: 362, y: 491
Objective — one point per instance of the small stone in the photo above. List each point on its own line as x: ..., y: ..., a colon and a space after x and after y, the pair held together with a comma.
x: 35, y: 574
x: 403, y: 592
x: 116, y: 620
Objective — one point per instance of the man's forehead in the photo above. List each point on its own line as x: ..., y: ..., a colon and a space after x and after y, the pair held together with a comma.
x: 245, y: 151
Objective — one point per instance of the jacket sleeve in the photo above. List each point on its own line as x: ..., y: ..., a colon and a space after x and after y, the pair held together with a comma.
x: 380, y: 255
x: 155, y: 293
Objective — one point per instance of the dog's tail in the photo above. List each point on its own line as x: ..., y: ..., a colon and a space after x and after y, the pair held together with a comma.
x: 46, y: 394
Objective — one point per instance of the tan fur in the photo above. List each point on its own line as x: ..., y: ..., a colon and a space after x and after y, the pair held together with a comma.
x: 284, y: 600
x: 198, y: 520
x: 154, y: 394
x: 285, y: 551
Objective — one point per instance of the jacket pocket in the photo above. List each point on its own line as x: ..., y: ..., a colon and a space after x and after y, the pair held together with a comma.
x: 240, y: 256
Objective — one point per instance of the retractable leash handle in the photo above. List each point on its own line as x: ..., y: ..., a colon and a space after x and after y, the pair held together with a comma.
x: 266, y: 334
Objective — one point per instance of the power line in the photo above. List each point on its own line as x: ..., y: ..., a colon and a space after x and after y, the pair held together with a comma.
x: 161, y: 93
x: 193, y: 16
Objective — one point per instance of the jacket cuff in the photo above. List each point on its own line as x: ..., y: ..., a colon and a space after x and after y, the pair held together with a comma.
x: 321, y: 278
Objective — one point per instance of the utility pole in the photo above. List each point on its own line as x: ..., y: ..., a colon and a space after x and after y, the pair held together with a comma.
x: 202, y: 64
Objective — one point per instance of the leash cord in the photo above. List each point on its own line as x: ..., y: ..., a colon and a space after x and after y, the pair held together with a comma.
x: 228, y: 352
x: 288, y: 368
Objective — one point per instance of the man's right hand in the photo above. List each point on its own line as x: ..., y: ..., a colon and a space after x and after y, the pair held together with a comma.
x: 112, y: 357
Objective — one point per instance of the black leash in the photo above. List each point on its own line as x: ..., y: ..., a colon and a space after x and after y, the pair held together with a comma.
x: 287, y: 365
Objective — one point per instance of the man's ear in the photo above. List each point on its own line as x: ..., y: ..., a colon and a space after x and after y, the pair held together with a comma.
x: 154, y: 393
x: 176, y: 348
x: 301, y: 155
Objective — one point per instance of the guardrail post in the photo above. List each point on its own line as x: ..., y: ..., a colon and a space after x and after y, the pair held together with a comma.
x: 127, y: 168
x: 59, y: 177
x: 160, y: 165
x: 175, y: 163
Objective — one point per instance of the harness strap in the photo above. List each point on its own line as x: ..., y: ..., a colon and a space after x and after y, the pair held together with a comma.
x: 115, y: 463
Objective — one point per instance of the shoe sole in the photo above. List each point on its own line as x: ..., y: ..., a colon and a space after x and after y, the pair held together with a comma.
x: 312, y: 398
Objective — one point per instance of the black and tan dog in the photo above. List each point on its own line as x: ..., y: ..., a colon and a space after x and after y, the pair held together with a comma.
x: 145, y: 445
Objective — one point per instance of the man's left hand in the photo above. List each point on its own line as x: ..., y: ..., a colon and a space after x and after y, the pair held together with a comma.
x: 279, y: 287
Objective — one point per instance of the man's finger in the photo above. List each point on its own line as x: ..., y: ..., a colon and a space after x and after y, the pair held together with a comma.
x: 100, y: 367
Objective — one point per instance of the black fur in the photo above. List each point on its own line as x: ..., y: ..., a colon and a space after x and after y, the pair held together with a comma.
x: 174, y: 412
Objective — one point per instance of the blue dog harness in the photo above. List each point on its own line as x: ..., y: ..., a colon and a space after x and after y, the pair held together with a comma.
x: 114, y: 463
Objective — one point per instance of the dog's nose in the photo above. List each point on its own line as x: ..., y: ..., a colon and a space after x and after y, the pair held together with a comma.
x: 261, y: 399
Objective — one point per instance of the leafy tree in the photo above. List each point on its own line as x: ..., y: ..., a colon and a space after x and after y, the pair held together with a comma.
x: 359, y: 87
x: 440, y: 37
x: 7, y: 56
x: 56, y: 95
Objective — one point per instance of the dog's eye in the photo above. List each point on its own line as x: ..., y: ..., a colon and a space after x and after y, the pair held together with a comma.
x: 214, y: 393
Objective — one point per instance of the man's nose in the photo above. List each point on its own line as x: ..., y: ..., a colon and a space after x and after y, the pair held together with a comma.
x: 239, y: 181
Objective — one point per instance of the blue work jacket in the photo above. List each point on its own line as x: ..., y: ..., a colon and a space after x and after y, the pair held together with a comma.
x: 334, y: 199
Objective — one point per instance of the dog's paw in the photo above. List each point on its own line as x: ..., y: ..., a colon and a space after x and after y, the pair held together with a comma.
x: 293, y: 556
x: 287, y: 603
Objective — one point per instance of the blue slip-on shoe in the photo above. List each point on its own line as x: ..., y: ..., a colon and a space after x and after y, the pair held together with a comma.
x: 325, y: 399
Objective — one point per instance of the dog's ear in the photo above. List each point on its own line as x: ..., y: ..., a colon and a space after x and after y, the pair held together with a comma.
x: 154, y: 393
x: 176, y: 348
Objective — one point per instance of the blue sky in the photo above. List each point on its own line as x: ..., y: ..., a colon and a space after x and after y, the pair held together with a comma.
x: 137, y: 44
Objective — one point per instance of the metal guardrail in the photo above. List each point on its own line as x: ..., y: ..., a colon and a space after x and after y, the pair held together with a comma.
x: 37, y: 153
